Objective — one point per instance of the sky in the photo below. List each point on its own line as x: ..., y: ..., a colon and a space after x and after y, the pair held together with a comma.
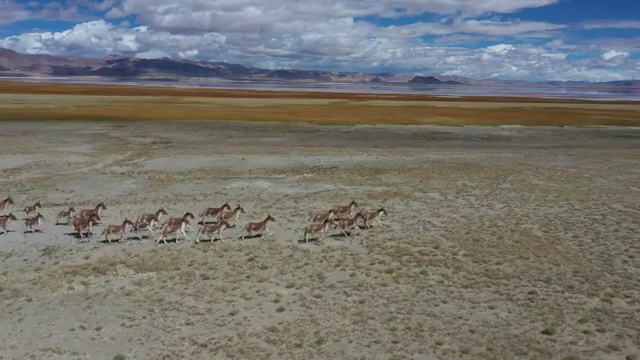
x: 587, y: 40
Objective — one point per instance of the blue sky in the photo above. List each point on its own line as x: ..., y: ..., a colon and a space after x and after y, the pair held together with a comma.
x: 507, y: 39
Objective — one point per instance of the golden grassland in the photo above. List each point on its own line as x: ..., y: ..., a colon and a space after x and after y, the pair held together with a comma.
x: 48, y: 101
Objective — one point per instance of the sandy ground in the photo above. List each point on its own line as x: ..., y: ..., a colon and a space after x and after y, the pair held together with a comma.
x: 500, y: 243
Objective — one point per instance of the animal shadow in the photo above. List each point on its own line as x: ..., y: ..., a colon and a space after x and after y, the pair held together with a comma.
x: 216, y: 240
x: 115, y: 240
x: 339, y: 235
x: 134, y: 237
x: 77, y: 236
x: 32, y: 231
x: 315, y: 241
x: 250, y: 236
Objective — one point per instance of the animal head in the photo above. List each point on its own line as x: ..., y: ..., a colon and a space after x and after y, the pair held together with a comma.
x: 39, y: 216
x: 353, y: 203
x: 37, y: 204
x: 226, y: 206
x: 240, y: 209
x: 12, y: 217
x: 127, y: 222
x: 101, y: 206
x: 72, y: 209
x: 162, y: 211
x: 189, y: 215
x: 270, y: 218
x: 9, y: 201
x: 382, y: 211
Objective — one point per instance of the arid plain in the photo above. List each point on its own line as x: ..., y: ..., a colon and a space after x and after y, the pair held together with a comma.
x: 501, y: 242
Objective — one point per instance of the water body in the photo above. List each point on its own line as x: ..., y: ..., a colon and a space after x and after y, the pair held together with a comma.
x: 558, y: 92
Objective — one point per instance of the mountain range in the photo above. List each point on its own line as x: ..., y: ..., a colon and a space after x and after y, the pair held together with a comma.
x: 14, y: 64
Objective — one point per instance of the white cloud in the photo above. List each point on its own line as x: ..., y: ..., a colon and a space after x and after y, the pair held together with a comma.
x: 337, y: 51
x: 615, y: 24
x: 332, y: 34
x: 611, y: 54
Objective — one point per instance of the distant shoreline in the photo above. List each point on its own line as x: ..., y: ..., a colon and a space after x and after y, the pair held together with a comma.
x: 440, y: 91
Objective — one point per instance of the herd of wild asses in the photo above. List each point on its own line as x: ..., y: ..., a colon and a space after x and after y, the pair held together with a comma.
x: 221, y: 218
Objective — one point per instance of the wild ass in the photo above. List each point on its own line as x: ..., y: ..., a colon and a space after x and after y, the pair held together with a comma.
x: 66, y: 214
x: 36, y: 221
x: 230, y: 216
x: 4, y: 204
x: 87, y: 213
x: 156, y: 216
x: 142, y: 226
x: 214, y: 211
x: 212, y: 230
x: 174, y: 230
x: 331, y: 214
x: 373, y: 215
x: 83, y: 225
x: 5, y: 220
x: 258, y: 227
x: 317, y: 228
x: 116, y: 229
x: 346, y: 209
x: 176, y: 221
x: 32, y: 209
x: 348, y: 225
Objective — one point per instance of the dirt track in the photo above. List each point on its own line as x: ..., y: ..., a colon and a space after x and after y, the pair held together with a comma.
x: 501, y: 243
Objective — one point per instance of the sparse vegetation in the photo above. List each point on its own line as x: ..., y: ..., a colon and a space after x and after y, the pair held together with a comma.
x: 477, y: 258
x: 112, y: 103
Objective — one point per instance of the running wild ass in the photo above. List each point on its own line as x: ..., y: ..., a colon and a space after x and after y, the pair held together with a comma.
x: 257, y: 227
x: 212, y: 230
x: 83, y: 225
x: 66, y: 214
x: 331, y: 214
x: 87, y: 213
x: 176, y: 230
x: 148, y: 217
x: 142, y: 226
x: 4, y: 204
x: 176, y: 221
x: 346, y: 209
x: 373, y: 215
x: 230, y: 216
x: 36, y: 221
x: 317, y: 228
x: 348, y: 225
x: 116, y: 229
x: 5, y: 220
x: 32, y: 209
x: 214, y: 211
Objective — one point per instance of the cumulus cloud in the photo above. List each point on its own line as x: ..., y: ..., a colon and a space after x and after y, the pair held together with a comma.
x: 342, y: 35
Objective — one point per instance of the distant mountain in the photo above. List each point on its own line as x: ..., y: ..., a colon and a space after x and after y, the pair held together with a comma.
x: 430, y: 80
x: 14, y: 64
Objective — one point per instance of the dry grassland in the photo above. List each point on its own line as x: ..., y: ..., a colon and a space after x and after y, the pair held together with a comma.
x: 116, y: 102
x: 518, y: 243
